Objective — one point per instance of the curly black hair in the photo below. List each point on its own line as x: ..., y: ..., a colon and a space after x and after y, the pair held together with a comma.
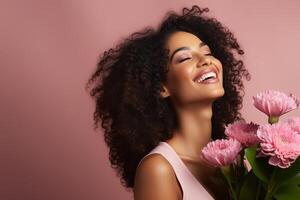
x: 127, y: 82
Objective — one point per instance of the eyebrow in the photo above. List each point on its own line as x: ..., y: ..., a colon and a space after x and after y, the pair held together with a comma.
x: 185, y: 48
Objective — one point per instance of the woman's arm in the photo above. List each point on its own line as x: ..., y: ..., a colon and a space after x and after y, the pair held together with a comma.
x: 155, y: 179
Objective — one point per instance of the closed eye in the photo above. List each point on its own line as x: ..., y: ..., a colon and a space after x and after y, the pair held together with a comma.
x: 180, y: 61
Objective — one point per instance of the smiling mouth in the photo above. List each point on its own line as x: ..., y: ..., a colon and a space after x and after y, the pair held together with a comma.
x: 206, y: 76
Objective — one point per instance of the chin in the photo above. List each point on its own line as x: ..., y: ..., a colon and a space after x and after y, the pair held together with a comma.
x: 216, y: 94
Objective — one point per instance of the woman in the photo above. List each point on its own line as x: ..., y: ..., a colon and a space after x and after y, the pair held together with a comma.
x: 161, y: 96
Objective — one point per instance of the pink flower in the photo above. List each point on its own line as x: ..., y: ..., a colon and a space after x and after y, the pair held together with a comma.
x: 294, y: 123
x: 221, y: 152
x: 280, y: 142
x: 243, y: 132
x: 275, y: 103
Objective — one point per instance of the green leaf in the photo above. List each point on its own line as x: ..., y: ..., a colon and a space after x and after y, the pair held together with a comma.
x: 285, y: 174
x: 259, y: 166
x: 295, y: 180
x: 250, y: 187
x: 288, y: 192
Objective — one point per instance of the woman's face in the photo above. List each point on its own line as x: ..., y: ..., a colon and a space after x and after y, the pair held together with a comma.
x: 190, y: 64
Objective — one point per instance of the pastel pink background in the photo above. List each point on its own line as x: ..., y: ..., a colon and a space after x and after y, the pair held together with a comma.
x: 49, y: 48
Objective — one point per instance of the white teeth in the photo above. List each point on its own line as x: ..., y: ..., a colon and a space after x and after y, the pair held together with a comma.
x: 204, y: 76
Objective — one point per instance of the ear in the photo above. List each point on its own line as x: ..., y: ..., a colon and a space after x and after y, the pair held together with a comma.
x: 164, y: 92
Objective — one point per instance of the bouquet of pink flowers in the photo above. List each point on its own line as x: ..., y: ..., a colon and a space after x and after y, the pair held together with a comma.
x: 261, y: 161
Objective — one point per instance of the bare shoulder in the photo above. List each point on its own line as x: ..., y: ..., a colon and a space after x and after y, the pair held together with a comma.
x: 156, y: 179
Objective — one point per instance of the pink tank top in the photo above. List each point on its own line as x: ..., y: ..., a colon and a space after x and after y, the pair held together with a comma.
x: 191, y: 187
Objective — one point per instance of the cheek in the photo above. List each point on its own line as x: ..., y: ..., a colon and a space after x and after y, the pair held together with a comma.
x: 220, y: 66
x: 178, y: 79
x: 180, y: 75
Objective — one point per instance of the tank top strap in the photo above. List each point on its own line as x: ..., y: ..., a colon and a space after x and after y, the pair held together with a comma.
x: 192, y: 189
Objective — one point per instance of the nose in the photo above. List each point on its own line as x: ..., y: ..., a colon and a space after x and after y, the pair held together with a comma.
x: 204, y: 61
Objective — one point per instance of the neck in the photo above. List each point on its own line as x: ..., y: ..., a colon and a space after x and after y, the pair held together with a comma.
x: 194, y: 129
